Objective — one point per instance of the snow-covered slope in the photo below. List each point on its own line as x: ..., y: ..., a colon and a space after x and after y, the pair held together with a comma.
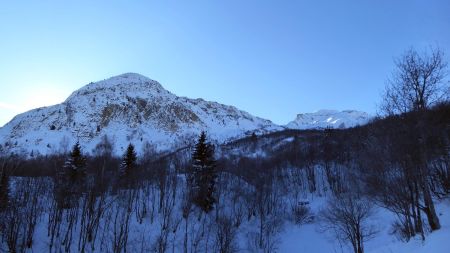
x: 310, y: 238
x: 127, y: 108
x: 329, y: 118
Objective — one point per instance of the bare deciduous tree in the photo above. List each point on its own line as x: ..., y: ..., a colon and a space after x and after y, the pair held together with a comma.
x: 347, y: 215
x: 225, y: 235
x: 416, y: 83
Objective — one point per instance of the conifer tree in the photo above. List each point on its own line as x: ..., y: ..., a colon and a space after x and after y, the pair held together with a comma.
x: 76, y: 162
x: 254, y: 137
x: 4, y: 188
x: 129, y: 160
x: 202, y: 176
x: 70, y: 181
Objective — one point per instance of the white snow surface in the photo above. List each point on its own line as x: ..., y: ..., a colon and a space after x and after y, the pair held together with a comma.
x: 310, y: 238
x: 329, y: 118
x: 129, y: 108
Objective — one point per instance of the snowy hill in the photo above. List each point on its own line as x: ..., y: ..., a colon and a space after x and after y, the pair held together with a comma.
x: 329, y: 118
x: 127, y: 108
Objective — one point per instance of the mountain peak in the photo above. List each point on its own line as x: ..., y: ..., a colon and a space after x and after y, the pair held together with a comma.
x: 326, y: 111
x: 128, y: 78
x: 125, y: 83
x: 329, y: 118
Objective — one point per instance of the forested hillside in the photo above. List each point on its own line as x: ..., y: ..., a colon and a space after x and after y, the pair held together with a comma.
x: 262, y: 184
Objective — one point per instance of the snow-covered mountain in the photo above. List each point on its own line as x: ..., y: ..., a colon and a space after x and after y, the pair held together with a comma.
x: 129, y: 108
x: 329, y: 118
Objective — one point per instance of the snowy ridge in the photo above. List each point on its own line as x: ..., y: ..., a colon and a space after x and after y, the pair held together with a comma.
x: 127, y: 108
x: 329, y: 118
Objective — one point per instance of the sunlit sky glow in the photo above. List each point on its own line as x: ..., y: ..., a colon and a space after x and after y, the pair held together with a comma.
x: 273, y: 59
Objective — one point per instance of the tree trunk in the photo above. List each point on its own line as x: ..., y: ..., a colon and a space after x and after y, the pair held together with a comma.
x: 419, y: 225
x: 432, y: 217
x: 185, y: 242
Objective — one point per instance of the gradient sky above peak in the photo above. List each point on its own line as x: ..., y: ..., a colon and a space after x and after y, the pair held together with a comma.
x: 273, y: 59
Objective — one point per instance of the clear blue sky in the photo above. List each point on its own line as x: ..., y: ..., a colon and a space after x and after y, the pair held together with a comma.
x: 273, y: 59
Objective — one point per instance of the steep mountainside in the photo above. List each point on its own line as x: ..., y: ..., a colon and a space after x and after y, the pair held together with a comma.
x: 127, y: 108
x: 329, y: 118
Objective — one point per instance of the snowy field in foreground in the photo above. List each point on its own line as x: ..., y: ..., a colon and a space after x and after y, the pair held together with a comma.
x: 307, y: 238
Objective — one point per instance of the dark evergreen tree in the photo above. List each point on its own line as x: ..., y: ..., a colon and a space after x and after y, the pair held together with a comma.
x: 76, y: 163
x: 4, y: 188
x: 129, y: 161
x: 202, y: 176
x: 254, y: 137
x: 70, y: 181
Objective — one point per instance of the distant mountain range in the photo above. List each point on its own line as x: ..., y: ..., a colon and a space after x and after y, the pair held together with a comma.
x: 131, y: 108
x: 329, y: 119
